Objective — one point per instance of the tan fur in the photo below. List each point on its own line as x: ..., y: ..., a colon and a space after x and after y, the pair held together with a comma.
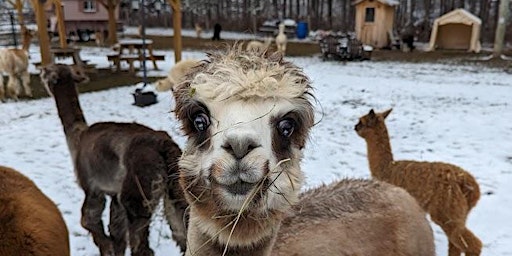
x: 258, y: 46
x: 350, y: 217
x: 198, y: 29
x: 99, y: 38
x: 281, y: 39
x: 445, y: 191
x: 30, y: 223
x: 14, y: 62
x: 176, y: 75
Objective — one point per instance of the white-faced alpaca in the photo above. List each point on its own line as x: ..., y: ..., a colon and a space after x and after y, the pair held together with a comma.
x: 445, y: 191
x: 129, y: 162
x: 176, y: 75
x: 247, y: 116
x: 31, y: 224
x: 259, y: 46
x: 281, y: 39
x: 14, y: 62
x: 198, y: 29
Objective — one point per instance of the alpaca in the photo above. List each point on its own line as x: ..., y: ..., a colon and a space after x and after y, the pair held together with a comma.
x: 281, y: 39
x: 99, y: 38
x: 14, y: 62
x: 258, y: 46
x: 129, y: 162
x: 247, y: 116
x: 198, y: 29
x: 445, y: 191
x: 176, y: 74
x: 31, y: 224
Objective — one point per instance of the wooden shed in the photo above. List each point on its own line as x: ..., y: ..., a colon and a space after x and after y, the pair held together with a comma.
x: 374, y: 21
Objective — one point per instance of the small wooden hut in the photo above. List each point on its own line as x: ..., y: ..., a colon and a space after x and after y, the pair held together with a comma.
x: 374, y: 21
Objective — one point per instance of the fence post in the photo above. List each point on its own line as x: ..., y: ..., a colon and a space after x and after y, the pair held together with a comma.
x: 13, y: 30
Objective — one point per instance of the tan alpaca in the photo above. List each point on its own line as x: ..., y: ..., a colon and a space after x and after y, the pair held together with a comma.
x: 198, y: 29
x: 30, y: 223
x: 176, y: 74
x: 445, y: 191
x: 14, y: 62
x: 248, y: 115
x: 258, y: 46
x: 99, y: 38
x: 281, y: 39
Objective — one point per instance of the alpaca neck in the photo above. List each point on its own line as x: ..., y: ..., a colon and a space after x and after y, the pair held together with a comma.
x: 201, y: 243
x: 379, y: 152
x: 70, y: 112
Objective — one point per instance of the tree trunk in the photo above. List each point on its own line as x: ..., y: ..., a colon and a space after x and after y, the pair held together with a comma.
x: 44, y: 40
x: 500, y: 28
x: 176, y: 23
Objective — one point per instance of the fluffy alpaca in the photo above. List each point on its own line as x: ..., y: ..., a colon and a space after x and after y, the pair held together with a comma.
x: 281, y: 39
x: 131, y: 163
x: 14, y: 62
x: 176, y: 75
x: 31, y: 224
x: 198, y: 29
x: 99, y: 38
x: 247, y: 116
x: 258, y: 46
x: 445, y: 191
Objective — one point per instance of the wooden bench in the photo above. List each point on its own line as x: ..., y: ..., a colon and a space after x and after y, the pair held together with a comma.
x: 131, y: 58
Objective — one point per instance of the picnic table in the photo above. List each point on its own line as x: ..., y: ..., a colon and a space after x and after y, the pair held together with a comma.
x: 68, y: 52
x: 132, y: 50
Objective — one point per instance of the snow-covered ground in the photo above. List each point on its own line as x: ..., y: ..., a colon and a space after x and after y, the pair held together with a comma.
x: 457, y: 114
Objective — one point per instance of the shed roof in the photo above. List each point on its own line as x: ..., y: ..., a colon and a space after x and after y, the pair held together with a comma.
x: 386, y: 2
x: 459, y: 16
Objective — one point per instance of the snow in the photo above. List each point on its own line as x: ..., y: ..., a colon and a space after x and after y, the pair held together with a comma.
x: 451, y: 113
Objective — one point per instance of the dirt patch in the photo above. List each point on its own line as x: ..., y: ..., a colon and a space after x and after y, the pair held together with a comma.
x: 100, y: 80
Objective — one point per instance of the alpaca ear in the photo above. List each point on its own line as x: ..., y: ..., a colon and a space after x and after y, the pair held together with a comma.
x: 276, y: 56
x: 371, y: 113
x: 386, y: 113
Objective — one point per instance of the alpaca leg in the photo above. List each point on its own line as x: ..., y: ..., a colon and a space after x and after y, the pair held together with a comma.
x: 118, y: 227
x: 13, y: 87
x: 136, y: 198
x: 91, y: 220
x: 459, y: 237
x: 25, y: 80
x: 2, y: 90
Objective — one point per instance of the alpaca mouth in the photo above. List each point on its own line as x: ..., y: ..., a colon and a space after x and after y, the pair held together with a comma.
x: 239, y: 188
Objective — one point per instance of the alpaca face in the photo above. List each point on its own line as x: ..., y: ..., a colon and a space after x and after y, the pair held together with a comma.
x: 55, y: 74
x: 247, y: 117
x: 370, y: 122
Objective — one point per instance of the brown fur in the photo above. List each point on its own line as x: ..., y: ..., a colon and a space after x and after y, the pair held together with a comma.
x: 30, y: 223
x: 129, y: 162
x: 350, y: 217
x: 445, y: 191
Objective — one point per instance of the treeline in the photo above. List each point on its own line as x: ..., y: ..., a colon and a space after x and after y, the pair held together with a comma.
x: 248, y: 15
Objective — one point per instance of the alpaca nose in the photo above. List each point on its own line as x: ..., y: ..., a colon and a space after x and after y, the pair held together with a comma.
x: 240, y: 146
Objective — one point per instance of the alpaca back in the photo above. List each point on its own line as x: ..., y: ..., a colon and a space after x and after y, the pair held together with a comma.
x: 356, y: 217
x: 176, y: 74
x: 31, y: 223
x: 13, y: 61
x: 434, y: 184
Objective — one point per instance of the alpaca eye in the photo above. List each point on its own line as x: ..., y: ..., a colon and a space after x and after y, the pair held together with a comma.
x: 286, y: 127
x: 201, y: 122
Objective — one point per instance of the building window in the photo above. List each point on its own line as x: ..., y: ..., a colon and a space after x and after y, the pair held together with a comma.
x: 89, y: 5
x: 369, y: 15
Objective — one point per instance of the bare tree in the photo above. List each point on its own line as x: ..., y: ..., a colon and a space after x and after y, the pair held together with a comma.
x: 500, y: 28
x: 111, y: 6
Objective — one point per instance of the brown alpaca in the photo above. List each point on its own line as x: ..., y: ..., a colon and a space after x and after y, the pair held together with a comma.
x: 445, y: 191
x: 247, y: 116
x: 30, y: 223
x: 129, y: 162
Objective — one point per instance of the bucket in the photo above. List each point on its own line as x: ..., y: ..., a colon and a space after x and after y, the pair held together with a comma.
x: 302, y: 29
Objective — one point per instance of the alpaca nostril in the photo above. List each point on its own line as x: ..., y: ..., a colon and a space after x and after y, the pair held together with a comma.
x: 240, y: 147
